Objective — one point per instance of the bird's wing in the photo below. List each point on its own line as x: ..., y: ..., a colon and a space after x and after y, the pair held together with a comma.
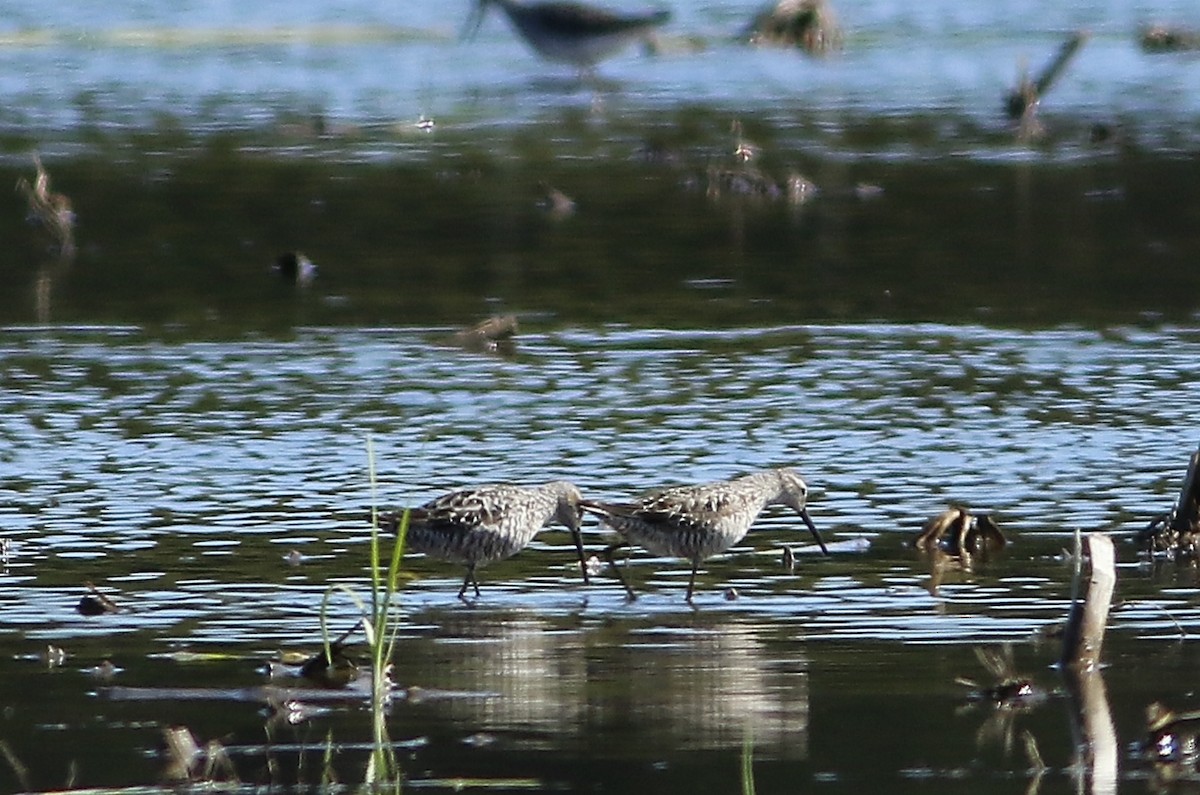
x: 466, y: 508
x: 684, y: 508
x: 588, y: 20
x: 672, y: 508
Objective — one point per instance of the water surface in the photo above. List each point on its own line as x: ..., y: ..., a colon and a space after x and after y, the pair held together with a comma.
x: 955, y: 316
x: 180, y: 475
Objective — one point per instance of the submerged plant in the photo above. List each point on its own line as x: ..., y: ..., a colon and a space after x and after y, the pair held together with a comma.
x: 380, y: 632
x: 748, y: 762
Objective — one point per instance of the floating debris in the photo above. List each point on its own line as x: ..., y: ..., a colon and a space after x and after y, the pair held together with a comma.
x: 54, y: 656
x: 1087, y: 620
x: 958, y: 532
x: 800, y: 189
x: 494, y: 335
x: 1172, y: 737
x: 556, y: 204
x: 95, y: 603
x: 106, y: 670
x: 1160, y: 38
x: 181, y: 751
x: 749, y: 182
x: 293, y: 711
x: 594, y: 566
x: 185, y: 761
x: 51, y: 210
x: 294, y: 267
x: 743, y: 179
x: 865, y: 191
x: 480, y: 739
x: 1008, y: 690
x: 809, y: 25
x: 334, y: 670
x: 1009, y: 694
x: 1176, y: 534
x: 1022, y: 102
x: 743, y: 150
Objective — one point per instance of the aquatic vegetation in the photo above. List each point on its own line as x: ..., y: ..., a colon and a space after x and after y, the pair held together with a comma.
x: 1176, y: 533
x: 95, y: 603
x: 497, y: 334
x: 809, y: 25
x: 956, y: 531
x: 50, y: 209
x: 1008, y: 689
x: 187, y: 761
x: 1022, y: 102
x: 1008, y: 693
x: 378, y: 625
x: 747, y: 768
x: 1172, y: 738
x: 1160, y: 38
x: 296, y: 268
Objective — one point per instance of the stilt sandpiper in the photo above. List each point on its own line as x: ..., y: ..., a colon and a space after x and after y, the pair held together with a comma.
x: 479, y: 525
x: 697, y: 522
x: 569, y: 32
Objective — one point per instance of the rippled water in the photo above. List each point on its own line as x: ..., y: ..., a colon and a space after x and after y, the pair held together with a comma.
x: 71, y: 66
x: 179, y: 475
x: 956, y: 317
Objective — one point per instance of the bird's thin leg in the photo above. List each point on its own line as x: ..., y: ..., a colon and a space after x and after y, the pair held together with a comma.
x: 692, y: 580
x: 608, y: 555
x: 578, y: 536
x: 467, y: 580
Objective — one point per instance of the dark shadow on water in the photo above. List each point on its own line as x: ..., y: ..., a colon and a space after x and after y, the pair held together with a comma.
x: 667, y: 229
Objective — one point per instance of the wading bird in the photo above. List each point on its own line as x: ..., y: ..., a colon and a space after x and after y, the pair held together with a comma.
x: 697, y: 522
x: 476, y: 526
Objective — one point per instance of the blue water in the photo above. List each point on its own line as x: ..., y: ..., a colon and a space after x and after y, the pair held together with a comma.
x: 71, y: 63
x: 217, y: 489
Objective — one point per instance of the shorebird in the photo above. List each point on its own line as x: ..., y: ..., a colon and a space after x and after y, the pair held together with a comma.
x: 476, y: 526
x: 52, y: 210
x: 568, y: 32
x: 697, y: 522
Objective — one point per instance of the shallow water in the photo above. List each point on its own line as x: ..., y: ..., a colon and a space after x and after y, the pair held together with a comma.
x: 956, y: 317
x: 180, y: 475
x: 215, y: 65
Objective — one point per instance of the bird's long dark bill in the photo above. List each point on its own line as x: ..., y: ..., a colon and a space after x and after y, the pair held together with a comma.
x: 473, y: 21
x: 578, y: 537
x: 812, y: 528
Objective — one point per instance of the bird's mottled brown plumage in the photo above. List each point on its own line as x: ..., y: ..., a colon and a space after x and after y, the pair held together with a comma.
x: 697, y: 522
x: 476, y: 526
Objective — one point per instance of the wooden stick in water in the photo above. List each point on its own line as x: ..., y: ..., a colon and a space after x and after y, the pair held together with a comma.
x: 1084, y: 635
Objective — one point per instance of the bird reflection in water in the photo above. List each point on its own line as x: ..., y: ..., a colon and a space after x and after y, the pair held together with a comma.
x: 1009, y: 695
x: 655, y: 690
